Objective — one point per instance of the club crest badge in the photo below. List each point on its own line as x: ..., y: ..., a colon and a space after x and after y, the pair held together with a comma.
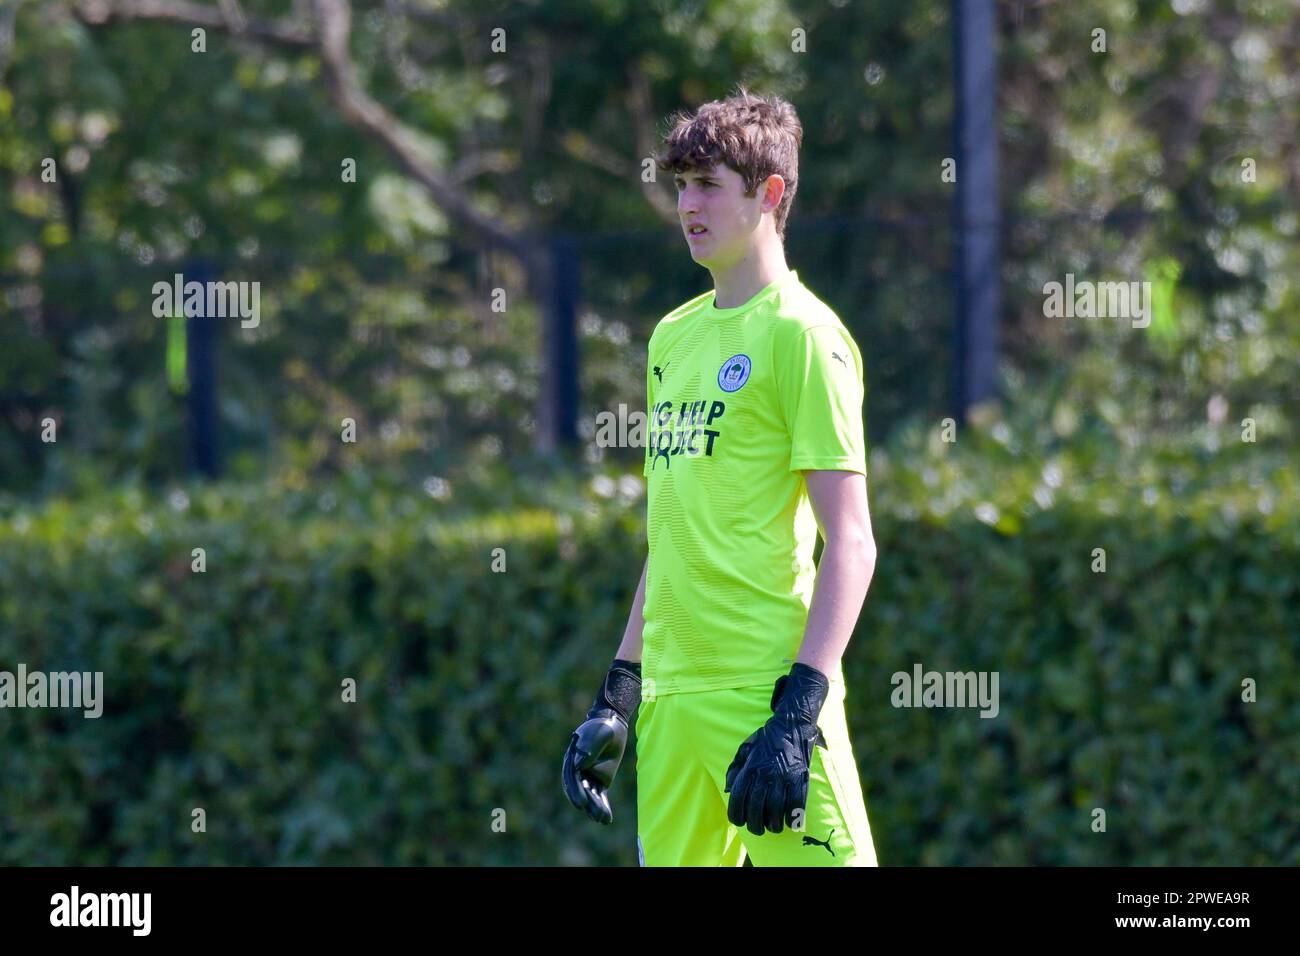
x: 734, y: 373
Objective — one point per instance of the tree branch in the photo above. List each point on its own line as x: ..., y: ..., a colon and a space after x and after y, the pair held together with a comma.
x: 334, y: 23
x: 330, y: 40
x: 476, y: 163
x: 281, y: 33
x: 643, y: 122
x: 7, y: 14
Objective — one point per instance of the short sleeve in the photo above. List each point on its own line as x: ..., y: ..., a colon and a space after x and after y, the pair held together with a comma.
x: 821, y: 387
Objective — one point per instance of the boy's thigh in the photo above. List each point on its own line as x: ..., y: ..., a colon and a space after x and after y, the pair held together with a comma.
x: 833, y: 830
x: 680, y: 819
x: 686, y: 742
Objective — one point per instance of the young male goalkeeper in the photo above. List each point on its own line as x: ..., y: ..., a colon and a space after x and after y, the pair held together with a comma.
x: 755, y: 441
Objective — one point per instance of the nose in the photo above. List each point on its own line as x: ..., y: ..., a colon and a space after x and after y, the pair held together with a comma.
x: 687, y: 201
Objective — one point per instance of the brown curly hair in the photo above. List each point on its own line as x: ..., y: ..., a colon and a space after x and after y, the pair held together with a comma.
x: 754, y: 135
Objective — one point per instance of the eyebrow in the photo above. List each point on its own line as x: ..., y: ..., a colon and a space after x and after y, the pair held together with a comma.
x: 696, y: 175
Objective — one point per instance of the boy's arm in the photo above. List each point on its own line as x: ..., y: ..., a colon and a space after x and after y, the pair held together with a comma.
x: 630, y: 649
x: 839, y: 500
x: 596, y: 748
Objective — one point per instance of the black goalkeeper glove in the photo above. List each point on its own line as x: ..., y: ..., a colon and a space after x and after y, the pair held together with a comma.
x: 596, y: 747
x: 768, y: 779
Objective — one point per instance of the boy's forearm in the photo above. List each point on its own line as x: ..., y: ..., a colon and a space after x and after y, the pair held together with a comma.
x: 843, y: 576
x: 630, y: 648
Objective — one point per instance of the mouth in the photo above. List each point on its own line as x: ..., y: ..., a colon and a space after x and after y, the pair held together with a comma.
x: 695, y: 233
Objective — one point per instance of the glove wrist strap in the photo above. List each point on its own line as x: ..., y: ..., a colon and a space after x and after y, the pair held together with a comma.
x: 621, y: 691
x: 801, y: 694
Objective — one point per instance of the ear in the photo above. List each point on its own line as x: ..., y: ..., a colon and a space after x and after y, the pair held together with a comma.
x: 773, y: 191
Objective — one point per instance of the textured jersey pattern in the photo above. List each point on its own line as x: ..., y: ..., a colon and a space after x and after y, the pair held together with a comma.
x: 740, y: 401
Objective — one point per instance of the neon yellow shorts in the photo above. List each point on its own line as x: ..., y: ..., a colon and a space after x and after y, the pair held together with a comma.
x: 684, y: 744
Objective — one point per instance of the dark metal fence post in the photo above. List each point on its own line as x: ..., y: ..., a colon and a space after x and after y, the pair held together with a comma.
x: 978, y: 232
x: 557, y: 416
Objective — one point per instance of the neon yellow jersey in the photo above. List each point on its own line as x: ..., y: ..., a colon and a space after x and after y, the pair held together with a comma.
x: 740, y: 401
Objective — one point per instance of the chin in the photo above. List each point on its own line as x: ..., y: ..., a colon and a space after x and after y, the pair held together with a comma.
x: 704, y: 257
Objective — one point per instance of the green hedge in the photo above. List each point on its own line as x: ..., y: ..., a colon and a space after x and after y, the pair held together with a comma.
x: 223, y: 689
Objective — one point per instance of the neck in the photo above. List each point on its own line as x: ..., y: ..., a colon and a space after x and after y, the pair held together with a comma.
x: 740, y: 282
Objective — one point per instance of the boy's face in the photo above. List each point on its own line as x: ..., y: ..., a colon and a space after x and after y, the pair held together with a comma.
x: 714, y: 197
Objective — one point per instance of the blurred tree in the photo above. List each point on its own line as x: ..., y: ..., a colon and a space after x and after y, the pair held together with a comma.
x: 376, y: 294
